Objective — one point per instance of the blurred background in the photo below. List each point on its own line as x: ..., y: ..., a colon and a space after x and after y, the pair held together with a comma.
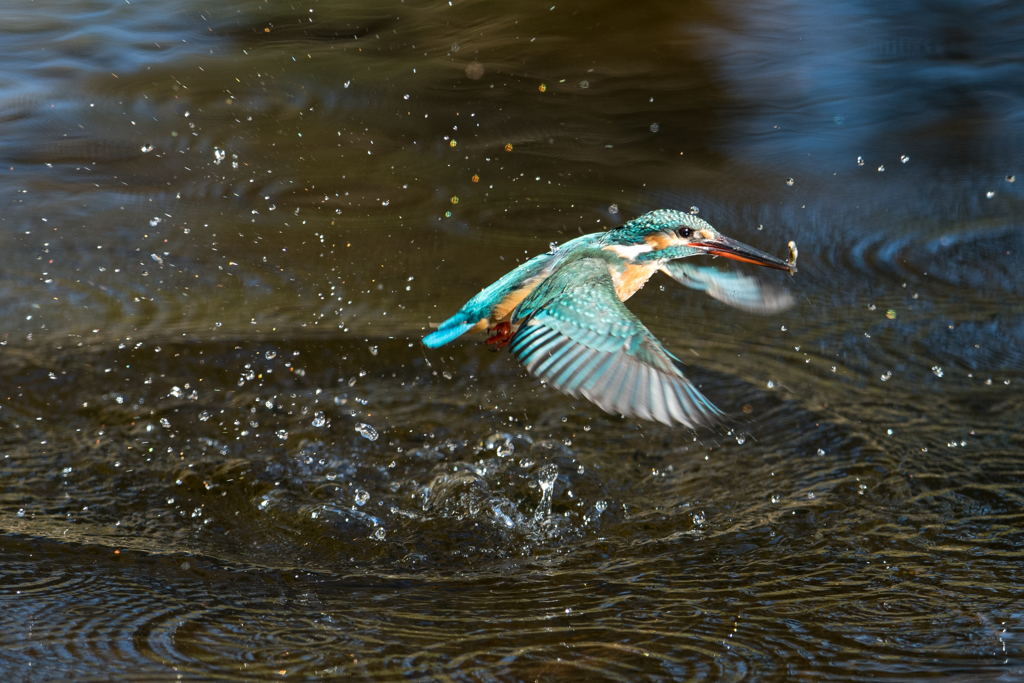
x: 227, y: 456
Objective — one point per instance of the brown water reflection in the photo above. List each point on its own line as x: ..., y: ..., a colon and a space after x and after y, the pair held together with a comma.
x: 226, y: 455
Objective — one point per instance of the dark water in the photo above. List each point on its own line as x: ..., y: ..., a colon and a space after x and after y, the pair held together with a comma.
x: 227, y: 226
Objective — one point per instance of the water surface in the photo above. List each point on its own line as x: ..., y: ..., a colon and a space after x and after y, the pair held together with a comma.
x: 227, y: 456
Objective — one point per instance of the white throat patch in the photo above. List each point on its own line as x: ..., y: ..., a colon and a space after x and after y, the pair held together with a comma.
x: 629, y: 252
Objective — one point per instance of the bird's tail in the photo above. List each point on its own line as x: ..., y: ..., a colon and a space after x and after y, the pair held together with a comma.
x: 449, y: 330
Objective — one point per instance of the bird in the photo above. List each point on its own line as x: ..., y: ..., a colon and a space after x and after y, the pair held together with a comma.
x: 561, y: 314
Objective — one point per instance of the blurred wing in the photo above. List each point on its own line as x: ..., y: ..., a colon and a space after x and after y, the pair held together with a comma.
x: 741, y: 291
x: 575, y: 334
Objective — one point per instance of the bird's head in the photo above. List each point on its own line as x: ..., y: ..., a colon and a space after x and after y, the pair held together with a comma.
x: 666, y: 235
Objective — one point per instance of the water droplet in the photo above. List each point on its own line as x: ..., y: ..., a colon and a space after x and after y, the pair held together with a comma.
x: 833, y: 368
x: 455, y: 47
x: 881, y: 169
x: 821, y: 451
x: 204, y: 416
x: 453, y: 143
x: 904, y: 158
x: 505, y: 449
x: 783, y: 328
x: 475, y: 178
x: 446, y: 374
x: 546, y: 477
x: 694, y: 210
x: 614, y: 208
x: 889, y: 432
x: 699, y: 518
x: 455, y: 200
x: 890, y: 314
x: 270, y: 355
x: 1011, y: 178
x: 771, y: 384
x: 361, y: 496
x: 937, y: 370
x: 366, y: 431
x: 887, y: 376
x: 990, y: 195
x: 165, y: 423
x: 775, y: 499
x: 740, y: 438
x: 380, y: 534
x: 871, y: 307
x: 21, y: 512
x: 584, y: 84
x: 655, y: 127
x: 790, y: 181
x: 405, y: 97
x: 147, y: 149
x: 543, y: 88
x: 373, y: 350
x: 176, y: 392
x: 860, y: 161
x: 282, y: 434
x: 318, y: 419
x: 810, y: 496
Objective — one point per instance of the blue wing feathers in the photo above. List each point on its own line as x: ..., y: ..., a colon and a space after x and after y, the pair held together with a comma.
x: 734, y: 289
x: 576, y: 334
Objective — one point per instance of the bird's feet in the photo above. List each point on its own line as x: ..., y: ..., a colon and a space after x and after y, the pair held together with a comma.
x: 502, y: 336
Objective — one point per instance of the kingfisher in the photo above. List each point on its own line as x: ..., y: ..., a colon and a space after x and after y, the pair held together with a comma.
x: 561, y: 314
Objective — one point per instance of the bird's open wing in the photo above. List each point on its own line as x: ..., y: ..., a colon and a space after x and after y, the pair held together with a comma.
x: 741, y: 291
x: 576, y: 334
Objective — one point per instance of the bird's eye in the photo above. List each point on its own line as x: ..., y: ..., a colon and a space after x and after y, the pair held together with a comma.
x: 685, y: 232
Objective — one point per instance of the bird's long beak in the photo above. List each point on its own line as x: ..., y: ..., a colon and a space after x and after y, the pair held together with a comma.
x: 729, y: 248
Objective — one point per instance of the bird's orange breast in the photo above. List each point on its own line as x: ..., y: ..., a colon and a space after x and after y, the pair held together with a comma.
x: 503, y: 309
x: 631, y: 280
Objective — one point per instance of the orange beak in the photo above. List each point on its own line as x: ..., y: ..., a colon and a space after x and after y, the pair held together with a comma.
x: 737, y: 251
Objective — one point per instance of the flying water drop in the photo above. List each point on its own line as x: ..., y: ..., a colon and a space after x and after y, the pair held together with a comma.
x: 366, y: 431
